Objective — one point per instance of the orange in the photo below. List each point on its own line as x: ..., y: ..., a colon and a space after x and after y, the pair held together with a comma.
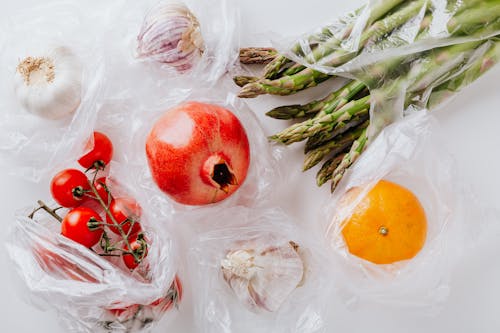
x: 386, y: 226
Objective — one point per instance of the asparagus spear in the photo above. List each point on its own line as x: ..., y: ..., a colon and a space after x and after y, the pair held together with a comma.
x: 327, y: 122
x: 286, y: 85
x: 257, y: 55
x: 273, y: 68
x: 438, y: 64
x: 299, y: 111
x: 357, y: 148
x: 474, y: 71
x: 322, y: 137
x: 242, y: 80
x: 345, y: 95
x: 338, y: 56
x: 294, y: 69
x: 281, y: 63
x: 333, y: 147
x: 330, y: 101
x: 326, y: 171
x: 475, y: 18
x: 377, y: 11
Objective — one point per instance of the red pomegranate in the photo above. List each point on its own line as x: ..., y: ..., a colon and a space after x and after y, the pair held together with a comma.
x: 198, y: 153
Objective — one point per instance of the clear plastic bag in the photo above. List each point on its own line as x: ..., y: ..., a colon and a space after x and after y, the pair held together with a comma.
x: 137, y: 117
x: 218, y: 24
x: 31, y: 144
x: 409, y: 153
x: 408, y: 53
x: 91, y: 292
x: 290, y: 285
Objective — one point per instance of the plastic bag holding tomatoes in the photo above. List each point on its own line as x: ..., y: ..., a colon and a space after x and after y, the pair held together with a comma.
x: 261, y: 269
x: 398, y: 222
x: 33, y: 136
x: 65, y: 267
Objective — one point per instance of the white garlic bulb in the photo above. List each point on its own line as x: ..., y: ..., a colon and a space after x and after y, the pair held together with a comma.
x: 171, y: 34
x: 50, y: 86
x: 263, y: 276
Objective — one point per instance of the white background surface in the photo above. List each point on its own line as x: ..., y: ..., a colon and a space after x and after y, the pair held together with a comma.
x: 470, y: 122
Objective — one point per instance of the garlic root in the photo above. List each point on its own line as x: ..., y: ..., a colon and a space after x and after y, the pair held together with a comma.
x: 50, y: 86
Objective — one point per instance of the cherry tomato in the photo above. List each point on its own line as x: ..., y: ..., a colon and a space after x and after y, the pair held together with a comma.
x: 100, y: 186
x: 139, y: 246
x: 68, y: 187
x: 75, y: 226
x: 101, y: 152
x: 126, y: 211
x: 174, y: 296
x: 126, y: 313
x: 57, y: 266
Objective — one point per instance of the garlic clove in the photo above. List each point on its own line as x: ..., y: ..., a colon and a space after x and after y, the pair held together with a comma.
x: 50, y: 86
x: 265, y: 276
x: 282, y: 272
x: 240, y: 287
x: 171, y: 34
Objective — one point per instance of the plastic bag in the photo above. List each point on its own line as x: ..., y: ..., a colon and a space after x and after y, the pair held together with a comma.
x: 218, y: 23
x: 137, y: 117
x: 91, y: 292
x: 410, y: 154
x: 33, y: 143
x: 406, y: 52
x: 255, y: 266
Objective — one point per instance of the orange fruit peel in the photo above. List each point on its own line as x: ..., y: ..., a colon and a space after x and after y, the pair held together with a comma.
x: 386, y: 226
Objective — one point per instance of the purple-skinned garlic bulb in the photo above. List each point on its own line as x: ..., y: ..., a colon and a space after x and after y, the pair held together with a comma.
x: 171, y: 34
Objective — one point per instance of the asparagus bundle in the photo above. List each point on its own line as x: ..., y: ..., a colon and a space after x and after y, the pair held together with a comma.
x: 338, y: 127
x: 335, y: 127
x: 282, y: 76
x: 326, y: 133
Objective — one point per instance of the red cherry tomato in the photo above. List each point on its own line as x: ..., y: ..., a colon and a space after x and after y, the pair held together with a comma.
x: 68, y: 187
x: 126, y: 211
x: 100, y: 186
x: 126, y: 313
x: 101, y: 152
x: 57, y: 266
x: 174, y: 296
x: 138, y: 245
x: 75, y: 226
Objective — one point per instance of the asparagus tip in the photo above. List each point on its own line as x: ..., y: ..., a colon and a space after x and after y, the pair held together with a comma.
x: 242, y: 81
x: 284, y: 112
x: 251, y: 90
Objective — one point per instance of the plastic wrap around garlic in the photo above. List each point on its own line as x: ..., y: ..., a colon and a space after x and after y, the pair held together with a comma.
x: 50, y: 86
x: 263, y: 276
x: 171, y: 34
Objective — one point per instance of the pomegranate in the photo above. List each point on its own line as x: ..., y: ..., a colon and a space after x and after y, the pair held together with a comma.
x: 198, y: 153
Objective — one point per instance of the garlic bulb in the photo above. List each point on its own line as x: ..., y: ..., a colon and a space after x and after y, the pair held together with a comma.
x: 50, y: 86
x: 171, y: 34
x: 263, y: 276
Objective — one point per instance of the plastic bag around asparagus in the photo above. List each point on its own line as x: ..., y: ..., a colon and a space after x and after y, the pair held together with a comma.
x: 52, y: 74
x: 107, y: 264
x: 394, y: 54
x: 399, y: 220
x: 254, y: 266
